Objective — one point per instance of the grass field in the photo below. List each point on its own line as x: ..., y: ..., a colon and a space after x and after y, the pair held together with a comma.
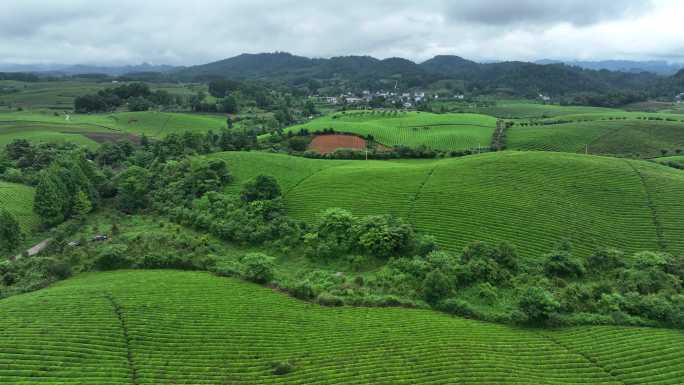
x: 151, y: 123
x: 526, y: 110
x: 18, y: 200
x: 60, y: 95
x: 532, y: 199
x: 412, y: 129
x: 611, y: 137
x: 168, y: 327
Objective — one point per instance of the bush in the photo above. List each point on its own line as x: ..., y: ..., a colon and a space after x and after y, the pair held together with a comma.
x: 113, y: 257
x: 327, y: 299
x: 561, y: 263
x: 263, y: 187
x: 458, y: 307
x: 257, y: 267
x: 385, y: 236
x: 436, y: 286
x: 282, y: 367
x: 538, y: 304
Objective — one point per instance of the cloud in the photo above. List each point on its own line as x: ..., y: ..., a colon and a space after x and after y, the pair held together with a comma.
x: 192, y: 32
x: 544, y: 12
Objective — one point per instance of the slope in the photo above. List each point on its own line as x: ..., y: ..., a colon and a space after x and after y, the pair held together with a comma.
x: 411, y: 129
x: 18, y: 200
x: 532, y: 199
x: 164, y: 327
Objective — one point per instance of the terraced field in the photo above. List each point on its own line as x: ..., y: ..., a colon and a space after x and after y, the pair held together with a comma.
x: 532, y: 199
x: 526, y: 110
x: 614, y: 137
x: 47, y: 132
x: 18, y: 200
x: 168, y: 327
x: 412, y: 129
x: 151, y: 123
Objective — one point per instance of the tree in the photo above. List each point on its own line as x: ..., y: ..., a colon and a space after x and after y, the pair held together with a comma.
x: 50, y: 200
x: 436, y: 286
x: 144, y: 141
x: 10, y: 232
x: 82, y: 205
x: 309, y: 108
x: 139, y: 103
x: 263, y: 187
x: 133, y: 188
x: 538, y: 304
x: 229, y: 105
x: 257, y: 267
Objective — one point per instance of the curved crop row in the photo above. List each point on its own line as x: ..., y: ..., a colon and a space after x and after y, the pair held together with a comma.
x: 412, y: 129
x: 194, y: 328
x: 532, y: 200
x: 18, y: 200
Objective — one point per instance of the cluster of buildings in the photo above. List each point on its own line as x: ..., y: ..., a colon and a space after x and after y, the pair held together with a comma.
x: 407, y: 99
x: 679, y: 98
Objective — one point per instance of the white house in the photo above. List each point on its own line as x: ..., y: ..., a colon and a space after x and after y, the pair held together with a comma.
x: 544, y: 97
x: 329, y: 99
x: 459, y: 96
x: 680, y: 98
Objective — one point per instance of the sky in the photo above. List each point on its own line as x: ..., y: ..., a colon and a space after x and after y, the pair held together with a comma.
x: 182, y: 32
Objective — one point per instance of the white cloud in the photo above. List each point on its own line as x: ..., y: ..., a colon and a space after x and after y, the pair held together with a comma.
x: 182, y: 32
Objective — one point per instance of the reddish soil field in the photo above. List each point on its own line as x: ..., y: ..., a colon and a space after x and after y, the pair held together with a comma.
x: 326, y: 144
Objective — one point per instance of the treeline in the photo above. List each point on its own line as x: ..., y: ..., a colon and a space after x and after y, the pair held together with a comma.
x: 138, y: 97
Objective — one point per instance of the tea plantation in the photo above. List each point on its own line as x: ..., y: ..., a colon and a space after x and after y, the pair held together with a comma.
x: 18, y: 200
x: 168, y: 327
x: 532, y: 199
x: 412, y: 129
x: 643, y: 138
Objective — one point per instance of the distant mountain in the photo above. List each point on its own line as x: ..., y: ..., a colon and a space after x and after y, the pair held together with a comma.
x: 450, y: 66
x: 659, y: 67
x: 78, y: 69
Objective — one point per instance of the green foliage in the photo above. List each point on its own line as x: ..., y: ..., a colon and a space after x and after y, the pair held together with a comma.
x: 257, y: 267
x: 384, y: 236
x: 10, y: 232
x: 51, y: 199
x: 538, y: 304
x: 133, y: 187
x: 436, y: 287
x: 262, y: 187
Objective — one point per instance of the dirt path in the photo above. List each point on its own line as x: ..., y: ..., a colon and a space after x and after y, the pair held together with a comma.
x: 35, y: 249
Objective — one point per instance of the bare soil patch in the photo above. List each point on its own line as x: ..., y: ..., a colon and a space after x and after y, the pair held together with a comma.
x: 326, y: 144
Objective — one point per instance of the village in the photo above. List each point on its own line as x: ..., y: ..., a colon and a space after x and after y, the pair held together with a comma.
x: 403, y: 99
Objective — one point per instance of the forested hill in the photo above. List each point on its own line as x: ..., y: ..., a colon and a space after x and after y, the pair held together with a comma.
x: 516, y: 78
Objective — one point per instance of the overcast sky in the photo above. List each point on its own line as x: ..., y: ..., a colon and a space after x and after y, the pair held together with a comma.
x: 185, y: 32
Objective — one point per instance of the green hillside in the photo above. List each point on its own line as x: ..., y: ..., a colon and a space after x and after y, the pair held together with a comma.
x: 47, y: 132
x: 412, y: 129
x: 18, y: 200
x: 615, y: 137
x: 166, y: 327
x: 525, y: 110
x: 151, y: 123
x: 532, y: 199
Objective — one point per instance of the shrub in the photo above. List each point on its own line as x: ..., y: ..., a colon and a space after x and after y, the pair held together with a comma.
x: 327, y: 299
x: 280, y: 368
x: 263, y: 187
x: 385, y: 236
x: 436, y: 286
x: 606, y: 259
x: 561, y: 263
x: 113, y: 257
x: 458, y: 307
x: 538, y: 304
x: 257, y: 267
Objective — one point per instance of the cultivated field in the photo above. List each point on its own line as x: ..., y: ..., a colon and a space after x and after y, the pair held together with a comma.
x: 18, y: 200
x: 325, y: 144
x: 632, y: 137
x: 412, y: 129
x: 526, y: 110
x: 532, y: 199
x: 166, y: 327
x: 151, y: 123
